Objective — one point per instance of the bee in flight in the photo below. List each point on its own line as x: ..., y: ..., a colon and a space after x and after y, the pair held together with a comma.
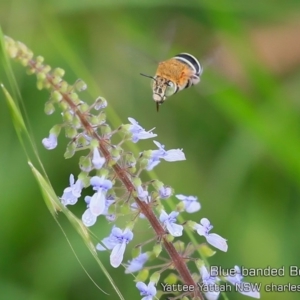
x: 173, y: 75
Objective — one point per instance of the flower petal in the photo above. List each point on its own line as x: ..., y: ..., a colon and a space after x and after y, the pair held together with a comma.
x: 174, y: 229
x: 244, y: 288
x: 97, y: 203
x: 174, y: 155
x: 98, y: 161
x: 50, y: 142
x: 217, y: 241
x: 117, y: 254
x: 192, y: 206
x: 88, y: 218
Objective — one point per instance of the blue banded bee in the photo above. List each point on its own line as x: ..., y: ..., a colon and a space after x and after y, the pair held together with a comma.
x: 173, y: 75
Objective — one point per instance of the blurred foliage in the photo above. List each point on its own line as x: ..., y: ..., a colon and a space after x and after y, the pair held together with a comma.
x: 239, y: 128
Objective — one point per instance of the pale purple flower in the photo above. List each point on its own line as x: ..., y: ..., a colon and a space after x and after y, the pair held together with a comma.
x: 110, y: 199
x: 85, y: 167
x: 97, y: 160
x: 137, y: 263
x: 149, y: 291
x: 207, y: 278
x: 116, y: 242
x: 191, y: 203
x: 89, y: 219
x: 211, y: 281
x: 50, y: 142
x: 100, y: 103
x: 212, y: 238
x: 237, y: 278
x: 87, y: 200
x: 100, y: 183
x: 116, y: 156
x: 142, y: 194
x: 138, y: 132
x: 152, y: 162
x: 97, y: 202
x: 161, y: 153
x: 73, y: 192
x: 165, y: 192
x: 169, y: 223
x: 169, y: 155
x: 244, y: 288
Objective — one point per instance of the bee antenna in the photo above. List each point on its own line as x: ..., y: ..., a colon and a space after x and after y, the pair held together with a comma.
x: 157, y: 106
x: 148, y: 76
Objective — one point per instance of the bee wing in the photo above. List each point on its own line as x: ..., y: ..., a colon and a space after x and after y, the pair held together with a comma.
x: 211, y: 67
x: 168, y: 38
x: 140, y: 53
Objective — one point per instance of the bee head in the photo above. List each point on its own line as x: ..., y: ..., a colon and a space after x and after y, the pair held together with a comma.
x: 162, y: 88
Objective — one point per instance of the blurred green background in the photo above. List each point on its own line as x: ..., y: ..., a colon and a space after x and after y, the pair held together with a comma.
x: 239, y: 128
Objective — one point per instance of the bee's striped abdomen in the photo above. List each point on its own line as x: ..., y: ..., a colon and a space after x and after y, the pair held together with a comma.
x: 191, y: 61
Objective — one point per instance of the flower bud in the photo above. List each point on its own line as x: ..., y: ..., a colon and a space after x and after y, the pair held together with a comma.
x: 58, y: 72
x: 56, y: 80
x: 142, y: 275
x: 85, y: 164
x: 101, y: 117
x: 84, y: 107
x: 155, y: 277
x: 94, y: 120
x: 46, y: 69
x: 39, y: 59
x: 169, y: 238
x: 136, y: 181
x: 179, y: 246
x: 100, y: 103
x: 171, y: 279
x: 74, y: 97
x: 55, y: 130
x: 135, y: 252
x: 105, y: 129
x: 80, y: 85
x: 63, y: 86
x: 157, y: 249
x: 63, y: 106
x: 103, y: 172
x: 180, y: 206
x: 82, y: 140
x: 85, y: 179
x: 56, y: 96
x: 70, y: 132
x: 206, y: 250
x: 49, y: 108
x: 143, y: 163
x: 76, y: 122
x: 67, y: 116
x: 199, y: 263
x: 70, y: 151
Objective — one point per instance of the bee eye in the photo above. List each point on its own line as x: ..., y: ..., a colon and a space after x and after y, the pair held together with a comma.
x: 170, y: 89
